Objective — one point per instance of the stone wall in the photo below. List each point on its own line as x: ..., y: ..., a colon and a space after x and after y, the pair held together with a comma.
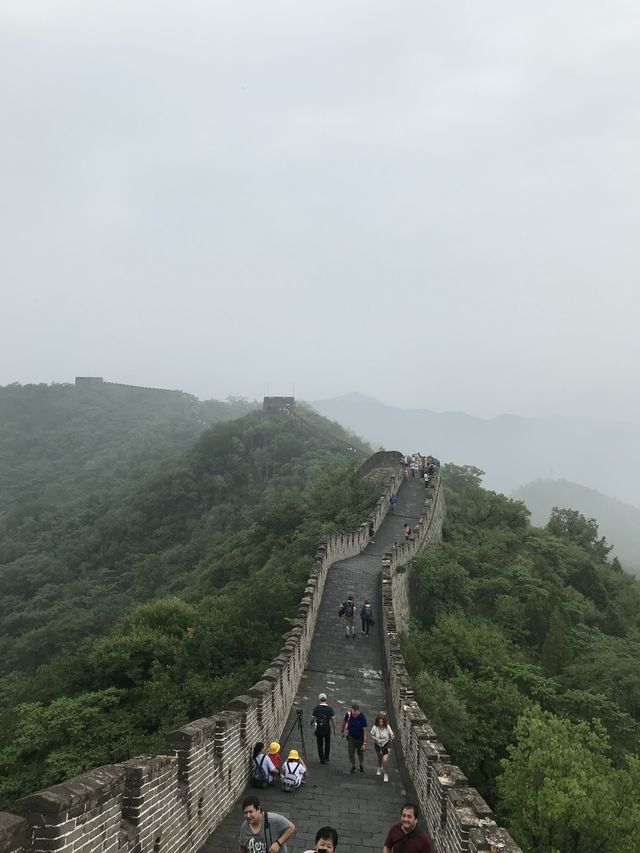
x: 427, y: 531
x: 459, y: 819
x: 172, y: 803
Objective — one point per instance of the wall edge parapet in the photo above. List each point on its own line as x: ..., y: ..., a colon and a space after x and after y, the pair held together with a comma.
x: 459, y: 819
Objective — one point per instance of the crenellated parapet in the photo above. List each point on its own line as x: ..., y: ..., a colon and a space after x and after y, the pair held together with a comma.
x: 459, y: 819
x: 171, y: 803
x: 426, y: 531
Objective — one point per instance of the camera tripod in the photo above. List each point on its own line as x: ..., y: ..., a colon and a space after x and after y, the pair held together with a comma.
x: 296, y: 724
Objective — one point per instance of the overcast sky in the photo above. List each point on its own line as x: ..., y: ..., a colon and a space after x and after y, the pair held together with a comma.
x: 434, y: 203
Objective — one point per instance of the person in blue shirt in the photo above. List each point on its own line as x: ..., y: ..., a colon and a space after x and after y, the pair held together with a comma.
x: 356, y: 727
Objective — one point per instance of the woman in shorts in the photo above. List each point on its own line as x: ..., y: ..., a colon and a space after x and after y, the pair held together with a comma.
x: 382, y: 735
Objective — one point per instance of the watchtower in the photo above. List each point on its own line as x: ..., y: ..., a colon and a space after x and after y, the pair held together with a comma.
x: 279, y: 405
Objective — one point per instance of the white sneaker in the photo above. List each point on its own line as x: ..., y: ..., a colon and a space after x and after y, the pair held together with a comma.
x: 386, y: 777
x: 379, y: 771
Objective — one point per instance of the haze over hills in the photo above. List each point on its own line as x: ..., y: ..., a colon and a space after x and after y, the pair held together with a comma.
x: 618, y: 522
x: 512, y: 450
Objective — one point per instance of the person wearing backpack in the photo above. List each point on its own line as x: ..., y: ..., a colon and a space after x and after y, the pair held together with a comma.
x: 324, y: 720
x: 348, y: 607
x: 366, y: 617
x: 293, y: 771
x: 263, y: 770
x: 356, y: 727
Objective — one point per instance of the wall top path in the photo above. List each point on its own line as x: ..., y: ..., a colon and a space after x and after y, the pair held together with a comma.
x: 360, y: 806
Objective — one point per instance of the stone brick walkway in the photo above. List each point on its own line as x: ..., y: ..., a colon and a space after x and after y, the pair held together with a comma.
x: 361, y: 807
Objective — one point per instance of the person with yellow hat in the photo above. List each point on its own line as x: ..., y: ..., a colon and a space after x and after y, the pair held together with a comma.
x: 293, y: 772
x: 274, y: 753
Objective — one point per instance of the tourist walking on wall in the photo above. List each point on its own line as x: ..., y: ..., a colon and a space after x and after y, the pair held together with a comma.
x: 324, y: 720
x: 326, y: 840
x: 406, y: 834
x: 366, y: 617
x: 356, y: 728
x: 263, y: 832
x: 394, y: 503
x: 382, y: 735
x: 348, y: 608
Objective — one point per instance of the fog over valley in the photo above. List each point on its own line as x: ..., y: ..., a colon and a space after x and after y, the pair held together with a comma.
x: 434, y: 205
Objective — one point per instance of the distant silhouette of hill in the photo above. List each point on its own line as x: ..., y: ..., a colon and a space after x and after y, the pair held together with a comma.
x: 512, y: 450
x: 619, y: 522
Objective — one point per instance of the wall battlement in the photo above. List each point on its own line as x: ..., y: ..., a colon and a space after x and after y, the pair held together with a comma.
x: 99, y: 381
x: 171, y: 803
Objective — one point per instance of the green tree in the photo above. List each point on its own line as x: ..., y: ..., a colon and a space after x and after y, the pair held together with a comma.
x: 460, y: 477
x: 558, y: 788
x: 556, y: 650
x: 571, y: 525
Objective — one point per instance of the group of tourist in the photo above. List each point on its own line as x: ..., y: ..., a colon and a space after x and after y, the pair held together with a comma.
x: 417, y: 465
x: 268, y: 832
x: 348, y: 609
x: 266, y: 767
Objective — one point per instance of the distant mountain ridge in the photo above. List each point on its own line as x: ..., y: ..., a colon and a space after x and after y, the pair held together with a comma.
x: 512, y: 450
x: 617, y: 521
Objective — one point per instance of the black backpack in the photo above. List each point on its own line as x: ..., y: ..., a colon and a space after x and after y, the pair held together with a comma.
x: 259, y: 774
x: 349, y: 607
x: 323, y: 721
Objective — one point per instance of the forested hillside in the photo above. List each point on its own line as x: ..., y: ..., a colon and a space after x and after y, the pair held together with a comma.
x: 618, y: 521
x: 60, y: 442
x: 526, y: 658
x: 147, y: 606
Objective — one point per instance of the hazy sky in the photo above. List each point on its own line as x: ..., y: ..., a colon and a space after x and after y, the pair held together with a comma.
x: 435, y: 203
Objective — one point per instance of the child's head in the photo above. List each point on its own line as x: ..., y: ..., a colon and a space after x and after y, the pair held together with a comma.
x: 326, y: 839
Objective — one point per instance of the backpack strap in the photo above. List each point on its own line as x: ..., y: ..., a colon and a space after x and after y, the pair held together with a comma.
x: 260, y: 766
x: 267, y: 829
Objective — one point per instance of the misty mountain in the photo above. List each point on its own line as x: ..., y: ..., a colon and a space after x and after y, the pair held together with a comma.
x: 512, y: 450
x: 618, y: 522
x: 63, y: 441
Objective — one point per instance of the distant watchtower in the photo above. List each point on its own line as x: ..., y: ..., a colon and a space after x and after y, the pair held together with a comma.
x: 89, y: 380
x: 279, y: 405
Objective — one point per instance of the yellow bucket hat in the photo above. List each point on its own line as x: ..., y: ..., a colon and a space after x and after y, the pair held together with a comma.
x: 274, y: 747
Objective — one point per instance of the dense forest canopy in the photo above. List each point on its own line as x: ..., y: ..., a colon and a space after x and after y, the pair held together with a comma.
x: 127, y: 612
x: 525, y: 652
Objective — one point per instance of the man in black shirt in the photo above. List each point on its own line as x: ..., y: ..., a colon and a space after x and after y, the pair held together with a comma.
x: 324, y: 720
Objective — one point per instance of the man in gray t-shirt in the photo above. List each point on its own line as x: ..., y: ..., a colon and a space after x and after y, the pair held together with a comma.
x: 263, y: 832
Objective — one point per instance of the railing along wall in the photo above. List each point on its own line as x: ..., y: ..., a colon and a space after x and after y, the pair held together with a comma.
x: 459, y: 819
x: 171, y: 803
